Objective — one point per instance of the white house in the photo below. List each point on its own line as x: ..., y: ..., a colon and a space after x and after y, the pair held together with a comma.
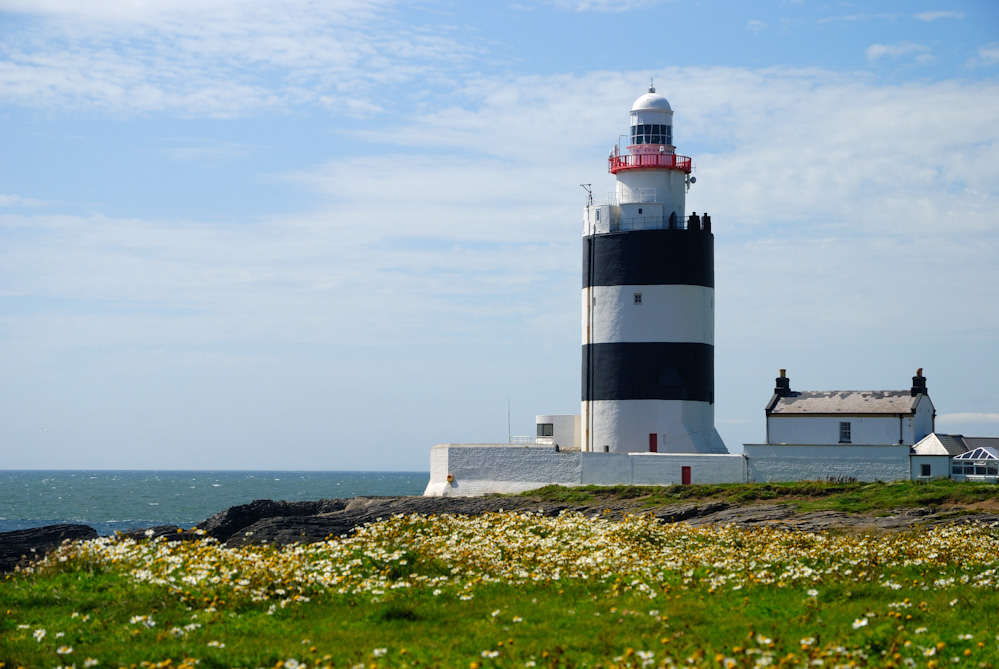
x: 864, y: 435
x: 860, y: 417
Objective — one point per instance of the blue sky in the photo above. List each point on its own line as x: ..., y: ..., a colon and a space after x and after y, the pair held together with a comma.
x: 316, y: 235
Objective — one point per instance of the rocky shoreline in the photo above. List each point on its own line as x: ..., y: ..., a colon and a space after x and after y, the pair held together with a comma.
x: 271, y: 522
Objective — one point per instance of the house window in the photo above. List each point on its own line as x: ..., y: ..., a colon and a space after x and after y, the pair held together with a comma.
x: 638, y: 298
x: 639, y: 210
x: 546, y: 429
x: 598, y: 214
x: 924, y: 470
x: 844, y: 432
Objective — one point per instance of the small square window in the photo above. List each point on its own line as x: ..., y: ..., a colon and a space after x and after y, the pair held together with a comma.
x: 638, y: 298
x: 639, y: 210
x: 546, y: 429
x: 924, y: 470
x: 844, y: 432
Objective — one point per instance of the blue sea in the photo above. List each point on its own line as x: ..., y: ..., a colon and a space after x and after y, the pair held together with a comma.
x: 111, y: 501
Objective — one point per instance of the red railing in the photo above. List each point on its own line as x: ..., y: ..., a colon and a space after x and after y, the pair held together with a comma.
x: 635, y: 161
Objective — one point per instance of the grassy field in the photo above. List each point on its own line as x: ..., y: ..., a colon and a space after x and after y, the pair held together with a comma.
x: 510, y: 590
x: 850, y: 497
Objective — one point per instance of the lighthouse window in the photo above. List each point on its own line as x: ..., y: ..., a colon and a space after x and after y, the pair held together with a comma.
x: 546, y: 429
x: 638, y: 298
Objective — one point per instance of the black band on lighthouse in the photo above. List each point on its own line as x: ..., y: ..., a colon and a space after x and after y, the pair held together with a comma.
x: 649, y: 371
x: 649, y: 258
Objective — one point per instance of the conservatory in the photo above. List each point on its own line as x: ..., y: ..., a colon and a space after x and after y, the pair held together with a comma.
x: 980, y: 464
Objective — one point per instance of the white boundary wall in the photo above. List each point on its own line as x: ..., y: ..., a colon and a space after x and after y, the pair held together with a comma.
x: 812, y: 462
x: 478, y: 469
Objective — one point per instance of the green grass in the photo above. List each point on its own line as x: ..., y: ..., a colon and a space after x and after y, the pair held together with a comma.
x: 508, y: 591
x: 850, y: 497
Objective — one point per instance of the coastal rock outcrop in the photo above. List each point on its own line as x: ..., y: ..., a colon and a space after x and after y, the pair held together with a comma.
x: 337, y: 518
x: 22, y: 547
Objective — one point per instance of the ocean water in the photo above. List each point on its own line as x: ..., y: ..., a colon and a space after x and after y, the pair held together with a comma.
x: 112, y: 501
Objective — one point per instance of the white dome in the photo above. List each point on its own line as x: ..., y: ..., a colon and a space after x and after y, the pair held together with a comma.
x: 651, y: 101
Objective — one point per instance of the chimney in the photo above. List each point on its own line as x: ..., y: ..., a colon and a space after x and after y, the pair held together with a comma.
x: 783, y: 387
x: 918, y: 384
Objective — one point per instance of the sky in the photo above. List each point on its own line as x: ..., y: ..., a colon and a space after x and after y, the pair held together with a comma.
x: 317, y: 235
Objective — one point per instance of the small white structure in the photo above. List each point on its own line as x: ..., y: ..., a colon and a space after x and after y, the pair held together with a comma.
x: 931, y: 456
x: 560, y: 430
x: 858, y: 417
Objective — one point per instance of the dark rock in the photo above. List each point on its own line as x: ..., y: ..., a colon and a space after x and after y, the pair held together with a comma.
x: 268, y: 522
x: 226, y: 523
x: 22, y: 547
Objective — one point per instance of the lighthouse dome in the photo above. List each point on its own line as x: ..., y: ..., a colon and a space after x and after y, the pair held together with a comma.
x: 651, y: 101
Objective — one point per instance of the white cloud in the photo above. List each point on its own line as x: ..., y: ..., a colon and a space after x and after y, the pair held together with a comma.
x: 756, y: 26
x: 950, y: 418
x: 851, y: 218
x: 604, y: 5
x: 218, y: 59
x: 878, y: 51
x: 18, y: 201
x: 987, y: 55
x: 936, y: 16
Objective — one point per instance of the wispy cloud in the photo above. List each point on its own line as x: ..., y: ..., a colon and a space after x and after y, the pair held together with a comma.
x: 208, y: 151
x: 756, y: 26
x: 987, y: 56
x: 605, y: 5
x: 936, y: 16
x: 950, y: 418
x: 859, y: 18
x: 7, y: 200
x: 218, y: 58
x: 877, y: 51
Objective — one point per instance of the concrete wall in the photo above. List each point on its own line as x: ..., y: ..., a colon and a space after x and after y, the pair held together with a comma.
x: 816, y: 462
x: 478, y: 469
x: 652, y: 469
x: 939, y: 466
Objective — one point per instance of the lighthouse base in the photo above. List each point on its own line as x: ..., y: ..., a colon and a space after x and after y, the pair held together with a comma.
x: 650, y: 426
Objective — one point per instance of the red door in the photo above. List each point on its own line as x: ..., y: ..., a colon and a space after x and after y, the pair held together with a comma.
x: 653, y: 443
x: 685, y: 475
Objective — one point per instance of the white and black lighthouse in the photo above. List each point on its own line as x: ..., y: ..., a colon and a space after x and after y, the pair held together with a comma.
x: 648, y: 301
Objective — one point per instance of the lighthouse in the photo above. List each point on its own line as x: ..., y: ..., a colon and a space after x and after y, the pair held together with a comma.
x: 648, y: 301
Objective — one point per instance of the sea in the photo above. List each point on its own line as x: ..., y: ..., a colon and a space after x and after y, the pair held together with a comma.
x: 115, y: 501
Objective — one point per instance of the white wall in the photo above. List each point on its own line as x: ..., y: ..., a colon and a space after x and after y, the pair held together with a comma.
x: 810, y: 462
x: 478, y: 469
x: 939, y: 466
x: 565, y: 428
x: 652, y: 469
x: 864, y: 430
x: 923, y: 424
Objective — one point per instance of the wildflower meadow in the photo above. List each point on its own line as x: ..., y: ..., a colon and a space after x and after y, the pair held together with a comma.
x: 515, y: 590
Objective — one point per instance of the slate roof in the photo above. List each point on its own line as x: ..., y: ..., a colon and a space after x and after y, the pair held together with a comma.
x: 982, y: 442
x: 941, y: 444
x: 847, y: 402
